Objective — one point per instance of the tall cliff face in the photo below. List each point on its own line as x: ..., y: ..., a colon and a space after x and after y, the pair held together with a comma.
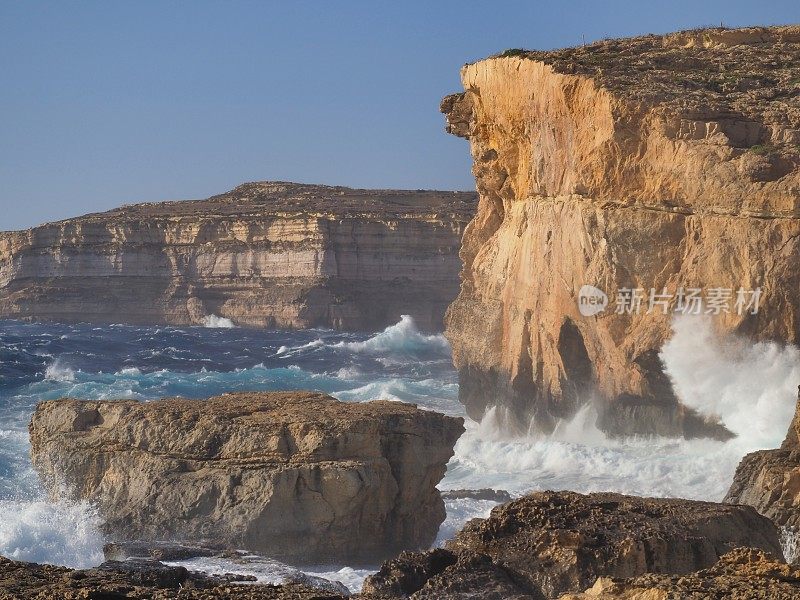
x: 655, y: 162
x: 264, y: 254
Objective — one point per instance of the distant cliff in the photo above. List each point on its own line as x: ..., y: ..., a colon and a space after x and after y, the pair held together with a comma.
x: 266, y: 254
x: 652, y: 163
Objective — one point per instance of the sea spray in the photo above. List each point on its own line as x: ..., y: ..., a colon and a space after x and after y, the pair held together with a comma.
x: 215, y: 322
x: 44, y: 532
x: 401, y: 340
x: 750, y: 387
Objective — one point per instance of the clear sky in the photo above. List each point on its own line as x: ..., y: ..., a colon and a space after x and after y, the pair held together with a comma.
x: 105, y: 103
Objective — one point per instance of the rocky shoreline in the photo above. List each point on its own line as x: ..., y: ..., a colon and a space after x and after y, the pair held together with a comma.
x: 544, y: 545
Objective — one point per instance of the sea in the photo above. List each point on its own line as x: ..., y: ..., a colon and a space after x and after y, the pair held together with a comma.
x: 752, y: 388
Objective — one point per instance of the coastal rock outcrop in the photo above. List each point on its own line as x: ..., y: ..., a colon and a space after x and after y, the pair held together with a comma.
x: 140, y: 581
x: 266, y: 254
x: 744, y: 574
x: 549, y: 543
x: 769, y: 480
x: 297, y: 476
x: 659, y: 164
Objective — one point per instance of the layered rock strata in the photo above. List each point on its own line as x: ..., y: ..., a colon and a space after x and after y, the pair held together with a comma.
x: 653, y: 163
x: 266, y: 254
x: 297, y: 476
x: 769, y: 480
x: 549, y: 543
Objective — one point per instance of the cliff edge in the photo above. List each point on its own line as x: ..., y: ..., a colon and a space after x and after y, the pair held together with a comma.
x: 266, y: 254
x: 653, y: 165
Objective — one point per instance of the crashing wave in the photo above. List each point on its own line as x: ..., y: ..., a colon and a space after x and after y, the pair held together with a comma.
x: 215, y: 322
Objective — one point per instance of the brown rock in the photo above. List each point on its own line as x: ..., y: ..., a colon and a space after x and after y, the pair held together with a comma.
x: 138, y: 581
x: 268, y: 254
x: 549, y: 543
x: 444, y: 575
x: 769, y: 480
x: 293, y: 475
x: 657, y: 162
x: 743, y: 574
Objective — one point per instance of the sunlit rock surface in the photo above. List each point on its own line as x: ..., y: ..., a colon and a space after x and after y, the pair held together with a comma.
x: 264, y: 254
x: 658, y: 163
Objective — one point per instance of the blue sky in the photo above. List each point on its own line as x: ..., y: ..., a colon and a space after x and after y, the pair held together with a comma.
x: 105, y: 103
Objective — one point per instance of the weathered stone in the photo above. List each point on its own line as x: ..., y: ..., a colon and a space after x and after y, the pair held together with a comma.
x: 769, y: 480
x: 264, y: 254
x: 291, y: 475
x: 140, y: 581
x: 443, y: 575
x: 658, y: 163
x: 743, y: 574
x: 549, y: 543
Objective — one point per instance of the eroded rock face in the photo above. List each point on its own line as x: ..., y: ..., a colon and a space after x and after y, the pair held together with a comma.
x: 264, y: 254
x: 744, y: 574
x: 293, y: 475
x: 549, y: 543
x: 650, y: 163
x: 769, y: 480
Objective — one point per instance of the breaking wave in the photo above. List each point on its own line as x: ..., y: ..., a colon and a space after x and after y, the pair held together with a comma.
x: 402, y: 339
x: 215, y: 322
x: 39, y: 531
x: 749, y: 387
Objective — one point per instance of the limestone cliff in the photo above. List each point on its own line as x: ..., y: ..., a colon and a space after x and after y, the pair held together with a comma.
x: 661, y: 162
x: 293, y: 475
x: 264, y: 254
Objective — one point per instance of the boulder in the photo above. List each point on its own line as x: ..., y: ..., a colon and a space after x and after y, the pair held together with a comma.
x: 769, y: 480
x: 297, y: 476
x: 549, y: 543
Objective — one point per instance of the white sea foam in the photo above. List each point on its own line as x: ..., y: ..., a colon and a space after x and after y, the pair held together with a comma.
x: 751, y: 388
x: 61, y: 533
x: 270, y: 571
x: 790, y: 543
x: 215, y: 322
x: 403, y: 337
x: 56, y: 371
x: 128, y: 372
